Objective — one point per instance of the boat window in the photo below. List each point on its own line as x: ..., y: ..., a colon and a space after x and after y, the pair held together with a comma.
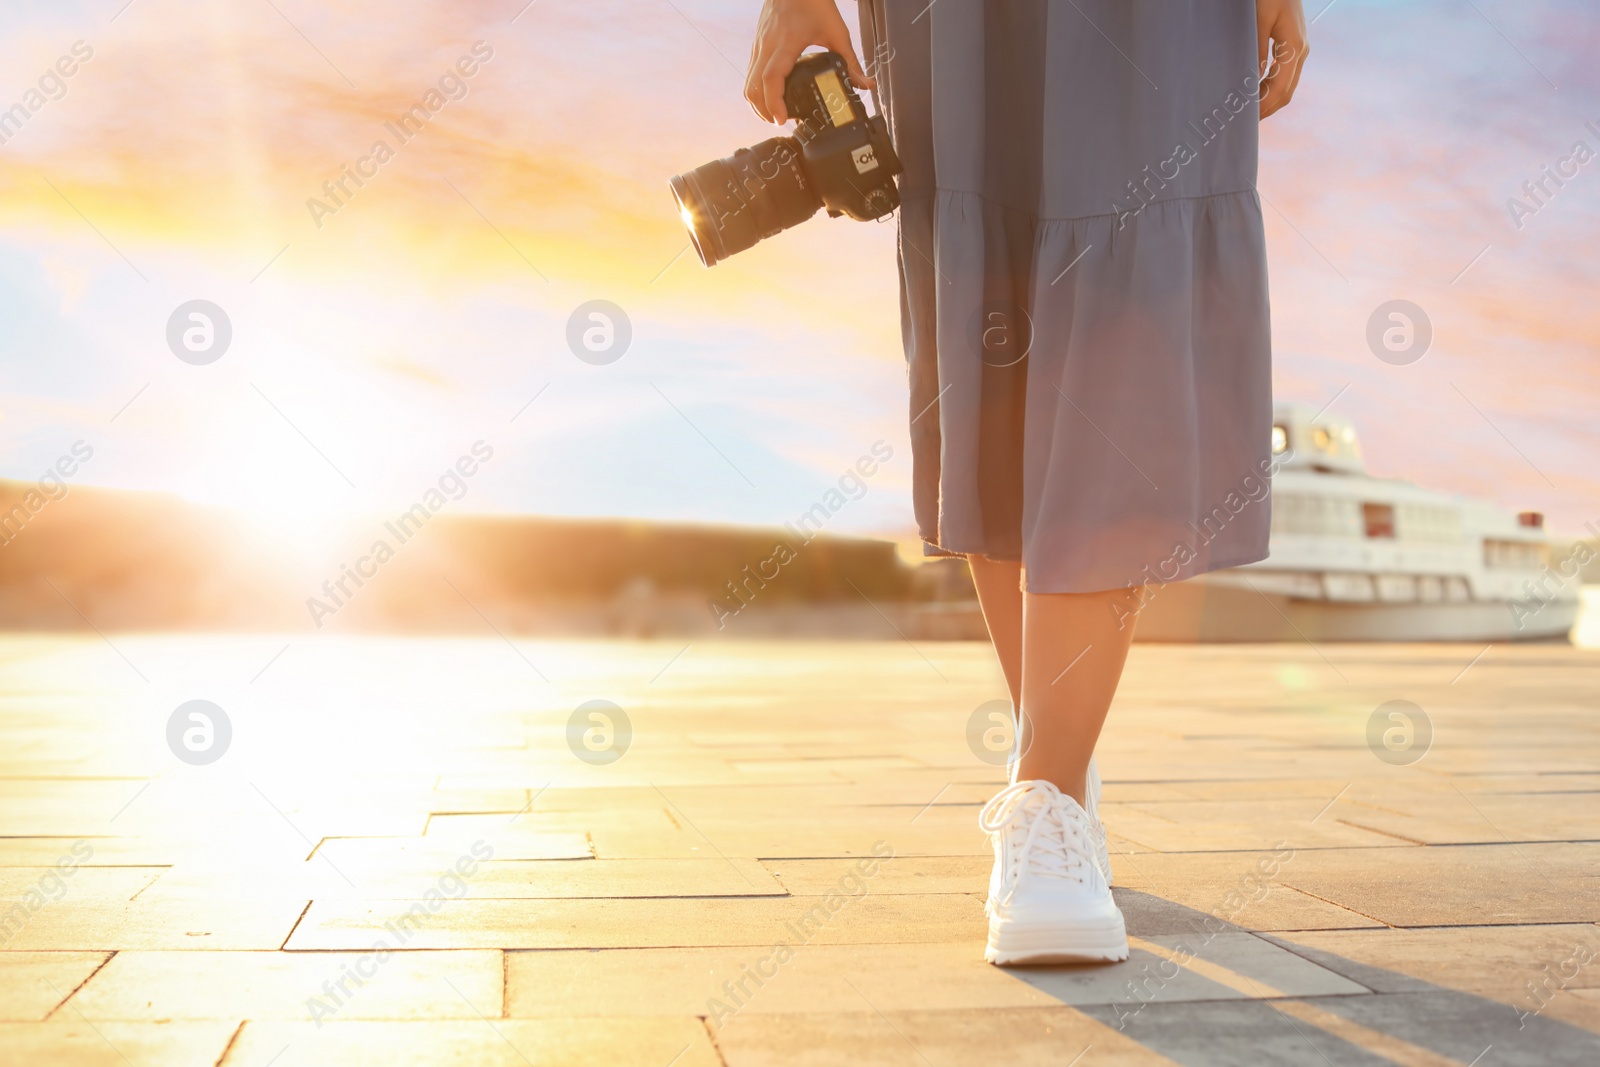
x: 1518, y: 555
x: 1322, y: 438
x: 1280, y: 439
x: 1379, y: 519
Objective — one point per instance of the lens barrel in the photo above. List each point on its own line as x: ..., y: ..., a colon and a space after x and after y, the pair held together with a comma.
x: 730, y: 204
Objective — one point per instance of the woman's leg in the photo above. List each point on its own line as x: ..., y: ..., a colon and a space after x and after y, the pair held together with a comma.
x: 999, y: 584
x: 1073, y: 648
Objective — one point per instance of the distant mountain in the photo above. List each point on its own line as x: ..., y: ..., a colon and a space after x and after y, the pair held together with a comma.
x: 118, y: 560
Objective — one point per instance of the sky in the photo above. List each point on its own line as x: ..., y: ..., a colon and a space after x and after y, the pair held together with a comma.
x: 377, y: 338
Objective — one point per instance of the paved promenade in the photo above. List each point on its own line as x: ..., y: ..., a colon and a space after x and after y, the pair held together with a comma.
x: 374, y: 851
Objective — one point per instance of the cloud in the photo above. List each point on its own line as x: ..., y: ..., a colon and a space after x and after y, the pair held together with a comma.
x: 437, y: 294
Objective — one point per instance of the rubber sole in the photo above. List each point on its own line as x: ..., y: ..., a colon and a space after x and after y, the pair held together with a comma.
x: 1011, y: 945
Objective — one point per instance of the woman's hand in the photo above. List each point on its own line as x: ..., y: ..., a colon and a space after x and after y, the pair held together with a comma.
x: 1284, y: 22
x: 785, y: 29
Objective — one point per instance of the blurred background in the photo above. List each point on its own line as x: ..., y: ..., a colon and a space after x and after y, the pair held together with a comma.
x: 394, y: 363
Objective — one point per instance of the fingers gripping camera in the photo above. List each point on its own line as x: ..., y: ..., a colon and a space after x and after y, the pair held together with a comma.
x: 840, y: 158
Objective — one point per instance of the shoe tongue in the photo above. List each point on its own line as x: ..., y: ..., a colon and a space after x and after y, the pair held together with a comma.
x: 1055, y: 848
x: 1070, y: 809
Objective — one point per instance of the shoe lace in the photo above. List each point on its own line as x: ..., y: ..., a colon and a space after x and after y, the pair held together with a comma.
x: 1045, y: 834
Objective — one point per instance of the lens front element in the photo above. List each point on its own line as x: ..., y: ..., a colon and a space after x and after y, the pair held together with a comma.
x: 730, y: 204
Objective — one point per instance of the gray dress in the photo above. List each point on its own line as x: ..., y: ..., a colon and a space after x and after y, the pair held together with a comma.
x: 1083, y: 282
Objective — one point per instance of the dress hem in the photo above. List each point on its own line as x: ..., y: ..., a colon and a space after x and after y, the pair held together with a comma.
x: 932, y: 550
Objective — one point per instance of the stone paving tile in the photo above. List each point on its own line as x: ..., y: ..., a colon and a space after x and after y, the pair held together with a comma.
x: 759, y: 773
x: 442, y: 850
x: 1457, y: 885
x: 1462, y: 1027
x: 108, y: 851
x: 155, y: 986
x: 1485, y: 818
x: 409, y: 877
x: 71, y: 1041
x: 1024, y: 1037
x: 47, y: 885
x: 69, y: 808
x: 1535, y: 971
x: 726, y: 984
x: 1577, y: 1007
x: 1313, y: 791
x: 98, y: 923
x: 1242, y: 1033
x: 489, y: 1042
x: 32, y: 984
x: 697, y: 877
x: 650, y: 922
x: 667, y: 831
x: 815, y: 978
x: 904, y: 874
x: 1203, y: 826
x: 1496, y: 962
x: 1574, y: 784
x: 1229, y: 884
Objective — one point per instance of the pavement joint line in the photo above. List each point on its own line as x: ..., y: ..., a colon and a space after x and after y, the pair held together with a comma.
x: 706, y: 839
x: 1503, y: 837
x: 233, y: 1039
x: 486, y: 1021
x: 314, y: 844
x: 298, y: 919
x: 73, y: 992
x: 66, y: 999
x: 525, y: 807
x: 1385, y: 833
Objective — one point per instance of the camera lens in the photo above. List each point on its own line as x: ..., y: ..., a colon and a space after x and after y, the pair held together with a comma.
x: 730, y: 204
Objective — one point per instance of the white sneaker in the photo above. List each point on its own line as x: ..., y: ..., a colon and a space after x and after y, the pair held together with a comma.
x: 1091, y: 794
x: 1049, y: 899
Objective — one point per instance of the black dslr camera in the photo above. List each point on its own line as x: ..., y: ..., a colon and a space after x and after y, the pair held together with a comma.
x: 839, y: 158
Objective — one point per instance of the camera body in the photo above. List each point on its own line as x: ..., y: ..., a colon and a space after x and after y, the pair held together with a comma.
x: 846, y: 152
x: 840, y: 159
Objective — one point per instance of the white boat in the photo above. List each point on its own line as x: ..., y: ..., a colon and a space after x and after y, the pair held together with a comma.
x: 1358, y: 558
